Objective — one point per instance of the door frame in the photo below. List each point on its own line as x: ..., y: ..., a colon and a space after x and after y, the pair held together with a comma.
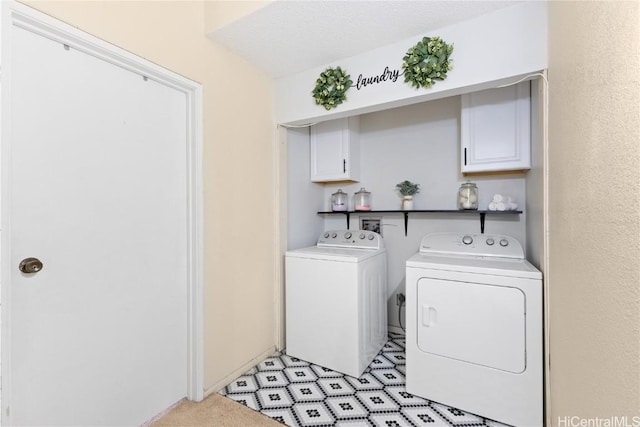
x: 14, y: 15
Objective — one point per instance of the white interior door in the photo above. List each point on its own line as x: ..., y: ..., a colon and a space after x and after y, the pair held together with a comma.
x: 97, y: 190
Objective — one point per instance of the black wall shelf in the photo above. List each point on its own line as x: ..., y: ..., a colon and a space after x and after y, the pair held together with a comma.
x: 406, y: 214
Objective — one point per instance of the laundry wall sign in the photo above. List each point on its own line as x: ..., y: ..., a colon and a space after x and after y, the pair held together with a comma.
x: 386, y: 75
x: 422, y: 66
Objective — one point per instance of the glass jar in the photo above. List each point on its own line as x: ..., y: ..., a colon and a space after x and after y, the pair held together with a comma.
x: 339, y: 201
x: 362, y: 200
x: 468, y: 196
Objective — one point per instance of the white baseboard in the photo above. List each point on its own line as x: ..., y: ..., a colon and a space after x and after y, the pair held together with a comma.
x: 216, y: 387
x: 162, y: 414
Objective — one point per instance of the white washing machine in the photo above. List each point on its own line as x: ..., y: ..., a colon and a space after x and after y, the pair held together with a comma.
x: 336, y: 300
x: 474, y: 327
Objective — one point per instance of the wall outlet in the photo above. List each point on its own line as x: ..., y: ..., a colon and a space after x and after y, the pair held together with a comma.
x: 371, y: 224
x: 399, y: 299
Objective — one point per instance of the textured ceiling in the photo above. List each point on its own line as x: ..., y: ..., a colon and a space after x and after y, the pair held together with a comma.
x: 286, y: 37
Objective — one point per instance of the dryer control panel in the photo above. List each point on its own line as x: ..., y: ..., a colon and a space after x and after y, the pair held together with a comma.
x: 486, y: 245
x: 357, y: 239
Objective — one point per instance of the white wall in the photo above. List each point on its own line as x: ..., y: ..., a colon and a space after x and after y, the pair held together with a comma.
x: 419, y: 143
x: 535, y: 179
x: 304, y: 198
x: 493, y: 47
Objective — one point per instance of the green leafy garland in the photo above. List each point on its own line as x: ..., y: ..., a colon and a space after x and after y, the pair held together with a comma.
x: 427, y: 62
x: 331, y: 87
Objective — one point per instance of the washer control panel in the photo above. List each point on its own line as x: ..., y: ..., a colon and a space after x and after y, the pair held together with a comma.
x: 357, y: 239
x: 485, y: 245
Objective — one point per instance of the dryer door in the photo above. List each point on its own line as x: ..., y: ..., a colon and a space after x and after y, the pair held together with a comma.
x: 472, y: 323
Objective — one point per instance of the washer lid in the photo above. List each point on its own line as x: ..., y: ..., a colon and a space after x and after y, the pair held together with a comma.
x: 510, y: 267
x: 334, y: 254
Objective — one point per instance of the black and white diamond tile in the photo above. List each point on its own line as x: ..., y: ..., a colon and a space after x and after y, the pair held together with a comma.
x: 271, y: 398
x: 381, y: 362
x: 404, y: 398
x: 353, y: 423
x: 396, y: 344
x: 457, y: 417
x: 271, y: 379
x: 395, y: 357
x: 365, y: 382
x: 347, y: 408
x: 283, y: 415
x: 422, y: 416
x: 389, y: 419
x: 271, y: 364
x: 378, y: 401
x: 247, y: 399
x: 313, y: 414
x: 292, y: 361
x: 244, y: 384
x: 306, y: 392
x: 323, y: 372
x: 300, y: 374
x: 389, y: 376
x: 297, y: 393
x: 335, y: 386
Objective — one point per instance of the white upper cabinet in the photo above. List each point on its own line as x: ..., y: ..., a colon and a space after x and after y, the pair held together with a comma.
x: 335, y: 150
x: 496, y: 129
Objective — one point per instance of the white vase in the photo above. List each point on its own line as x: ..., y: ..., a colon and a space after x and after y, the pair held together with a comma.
x: 407, y: 203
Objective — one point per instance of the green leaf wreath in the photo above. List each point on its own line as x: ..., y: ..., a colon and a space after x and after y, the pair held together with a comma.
x: 427, y: 62
x: 331, y: 87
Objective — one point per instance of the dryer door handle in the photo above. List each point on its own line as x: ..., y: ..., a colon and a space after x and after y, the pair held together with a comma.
x: 429, y: 315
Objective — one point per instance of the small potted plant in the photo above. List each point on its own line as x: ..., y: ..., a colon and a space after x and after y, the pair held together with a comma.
x: 408, y: 189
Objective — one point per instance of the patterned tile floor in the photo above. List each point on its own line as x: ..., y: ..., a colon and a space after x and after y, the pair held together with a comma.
x: 298, y: 393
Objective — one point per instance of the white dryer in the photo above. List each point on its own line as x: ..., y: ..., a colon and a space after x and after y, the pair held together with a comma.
x: 336, y: 300
x: 474, y: 327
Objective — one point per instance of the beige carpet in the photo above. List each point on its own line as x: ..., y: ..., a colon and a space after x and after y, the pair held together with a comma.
x: 214, y: 411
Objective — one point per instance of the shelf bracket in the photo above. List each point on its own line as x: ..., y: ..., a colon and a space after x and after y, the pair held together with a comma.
x: 482, y: 215
x: 406, y: 223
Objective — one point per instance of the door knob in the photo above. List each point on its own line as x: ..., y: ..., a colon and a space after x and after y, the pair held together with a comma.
x: 30, y: 265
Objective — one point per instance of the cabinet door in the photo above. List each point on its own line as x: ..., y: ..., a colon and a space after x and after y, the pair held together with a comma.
x: 496, y: 129
x: 335, y: 152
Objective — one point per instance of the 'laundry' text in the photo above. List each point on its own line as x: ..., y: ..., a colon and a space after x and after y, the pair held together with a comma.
x: 387, y: 74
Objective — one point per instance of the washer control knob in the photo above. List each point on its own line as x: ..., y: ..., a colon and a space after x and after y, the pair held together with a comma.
x: 467, y: 240
x: 361, y: 236
x: 347, y: 235
x: 334, y: 235
x: 371, y: 236
x: 490, y: 241
x: 504, y: 242
x: 326, y: 235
